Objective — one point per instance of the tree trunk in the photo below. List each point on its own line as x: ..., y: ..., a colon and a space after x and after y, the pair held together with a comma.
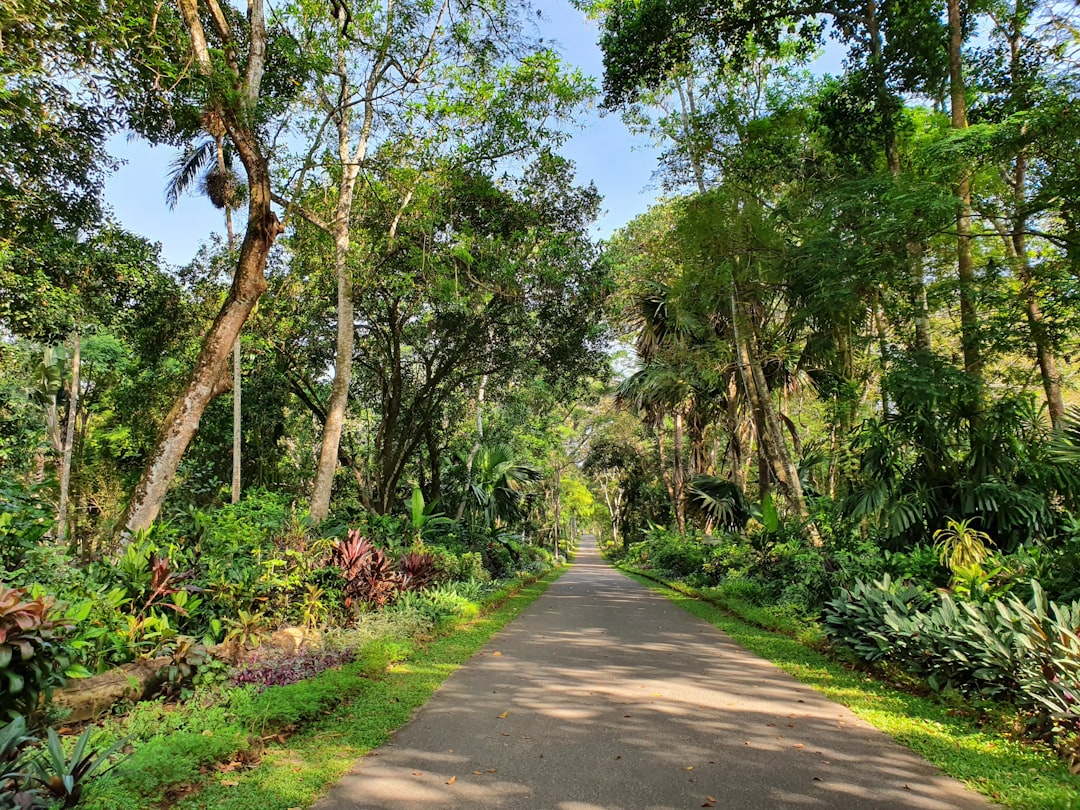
x: 736, y: 451
x: 339, y: 391
x: 237, y: 433
x: 69, y: 444
x: 350, y: 159
x: 249, y: 281
x: 965, y: 265
x: 919, y: 305
x: 771, y: 439
x: 557, y: 509
x: 237, y: 458
x: 883, y: 357
x: 1016, y: 248
x: 915, y: 250
x: 678, y: 475
x: 480, y: 393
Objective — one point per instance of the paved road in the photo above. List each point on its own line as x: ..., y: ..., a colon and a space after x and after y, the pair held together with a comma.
x: 605, y: 695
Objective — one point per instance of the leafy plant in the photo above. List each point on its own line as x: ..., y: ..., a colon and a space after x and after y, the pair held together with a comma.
x: 279, y: 670
x: 1027, y: 653
x: 417, y: 570
x: 960, y: 546
x: 858, y: 617
x: 369, y: 576
x: 32, y: 662
x: 421, y: 519
x: 245, y: 632
x: 720, y: 500
x: 62, y: 775
x: 313, y: 609
x: 187, y: 658
x: 13, y: 744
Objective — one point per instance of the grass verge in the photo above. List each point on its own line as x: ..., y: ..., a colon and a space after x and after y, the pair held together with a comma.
x: 1010, y: 773
x: 340, y: 715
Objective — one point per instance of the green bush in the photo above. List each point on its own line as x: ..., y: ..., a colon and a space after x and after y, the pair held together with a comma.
x: 1006, y: 649
x: 857, y: 618
x: 26, y: 516
x: 33, y: 660
x: 669, y: 552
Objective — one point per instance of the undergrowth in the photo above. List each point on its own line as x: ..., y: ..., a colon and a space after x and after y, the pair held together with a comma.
x: 280, y: 747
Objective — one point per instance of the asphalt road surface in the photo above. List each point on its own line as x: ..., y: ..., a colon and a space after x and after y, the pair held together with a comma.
x: 604, y: 694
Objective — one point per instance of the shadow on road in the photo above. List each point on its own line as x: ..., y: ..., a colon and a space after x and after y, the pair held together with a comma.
x: 606, y: 695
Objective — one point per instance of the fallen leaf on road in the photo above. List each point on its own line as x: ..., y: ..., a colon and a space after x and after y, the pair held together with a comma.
x: 451, y: 780
x: 496, y: 653
x: 710, y: 799
x: 688, y: 768
x: 504, y: 715
x: 478, y: 773
x: 798, y: 745
x: 417, y: 773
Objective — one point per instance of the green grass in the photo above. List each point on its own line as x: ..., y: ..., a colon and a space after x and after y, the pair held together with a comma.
x: 341, y: 714
x: 1013, y: 774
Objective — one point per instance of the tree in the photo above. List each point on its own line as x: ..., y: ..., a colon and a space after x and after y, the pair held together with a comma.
x: 495, y: 489
x: 209, y: 164
x: 233, y: 87
x: 402, y: 83
x: 481, y: 278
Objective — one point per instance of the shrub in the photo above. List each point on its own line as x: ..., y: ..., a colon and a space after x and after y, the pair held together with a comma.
x: 47, y: 776
x: 1026, y: 653
x: 32, y: 660
x: 857, y: 618
x: 416, y: 570
x: 368, y: 574
x: 25, y: 518
x: 668, y: 551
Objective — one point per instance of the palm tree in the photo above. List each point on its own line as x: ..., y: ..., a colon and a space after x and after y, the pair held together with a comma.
x: 495, y: 489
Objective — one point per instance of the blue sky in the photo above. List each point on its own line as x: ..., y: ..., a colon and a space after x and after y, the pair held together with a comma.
x: 620, y: 165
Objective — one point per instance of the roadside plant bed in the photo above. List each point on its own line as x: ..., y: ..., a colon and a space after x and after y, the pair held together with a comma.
x: 268, y: 746
x: 955, y: 738
x: 769, y: 617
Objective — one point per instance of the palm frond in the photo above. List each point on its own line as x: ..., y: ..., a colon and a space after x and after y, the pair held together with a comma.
x: 187, y: 167
x: 720, y: 500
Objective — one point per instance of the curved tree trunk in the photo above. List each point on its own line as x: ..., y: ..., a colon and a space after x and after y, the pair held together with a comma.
x: 249, y: 281
x: 237, y: 458
x: 772, y: 442
x: 678, y: 472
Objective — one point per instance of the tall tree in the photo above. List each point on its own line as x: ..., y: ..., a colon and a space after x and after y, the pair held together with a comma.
x: 231, y: 61
x: 210, y: 164
x: 402, y: 83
